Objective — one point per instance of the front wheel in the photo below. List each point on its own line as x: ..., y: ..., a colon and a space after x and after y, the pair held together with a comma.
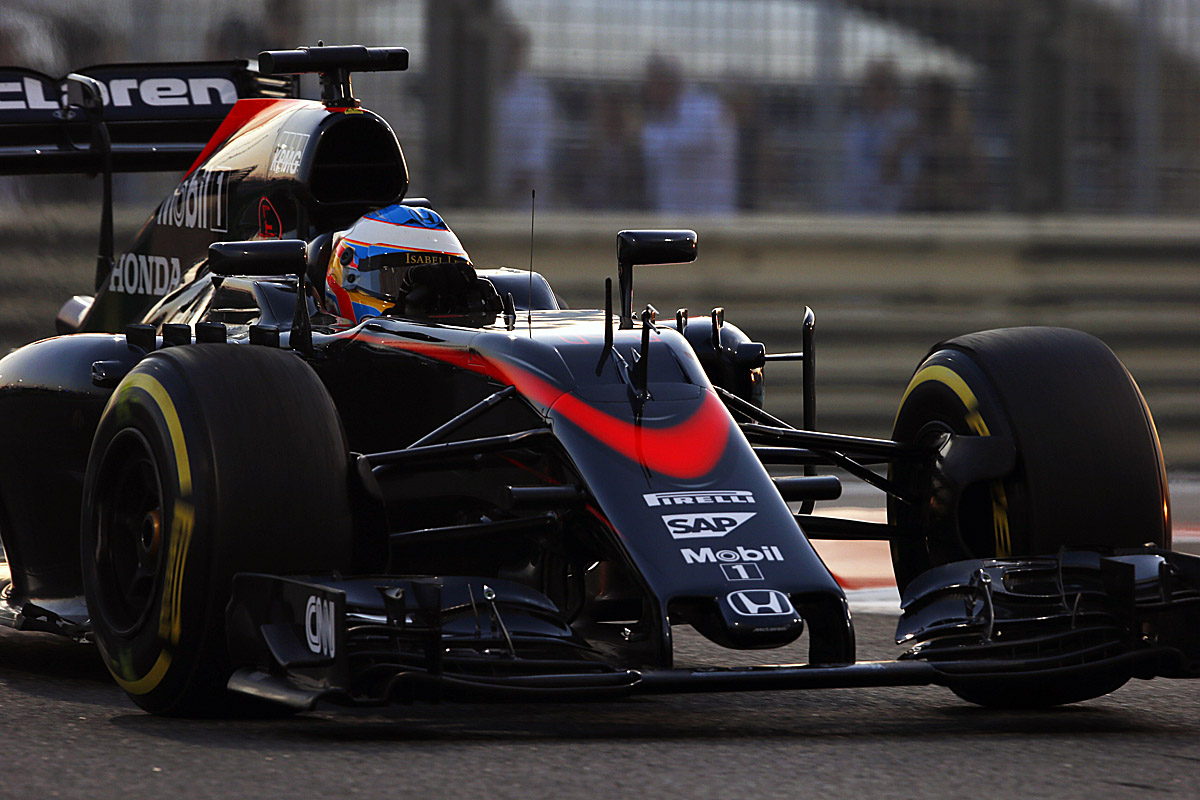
x: 1088, y: 471
x: 208, y: 460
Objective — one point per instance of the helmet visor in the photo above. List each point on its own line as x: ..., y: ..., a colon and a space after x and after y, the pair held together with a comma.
x: 384, y: 274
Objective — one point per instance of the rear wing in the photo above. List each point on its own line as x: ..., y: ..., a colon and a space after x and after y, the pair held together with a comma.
x: 121, y: 117
x: 155, y: 117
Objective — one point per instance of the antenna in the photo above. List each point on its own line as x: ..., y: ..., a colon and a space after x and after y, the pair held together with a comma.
x: 529, y: 298
x: 608, y: 331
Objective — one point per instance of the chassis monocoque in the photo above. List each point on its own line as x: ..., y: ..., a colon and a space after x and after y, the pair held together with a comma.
x: 243, y: 497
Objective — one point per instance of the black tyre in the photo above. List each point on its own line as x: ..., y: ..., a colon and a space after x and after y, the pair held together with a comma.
x: 1089, y: 469
x: 1041, y: 691
x: 208, y: 460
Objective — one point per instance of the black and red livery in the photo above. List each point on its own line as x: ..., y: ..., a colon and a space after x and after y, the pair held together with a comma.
x: 238, y: 493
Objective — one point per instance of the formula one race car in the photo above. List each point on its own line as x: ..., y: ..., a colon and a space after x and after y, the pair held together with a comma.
x: 298, y: 448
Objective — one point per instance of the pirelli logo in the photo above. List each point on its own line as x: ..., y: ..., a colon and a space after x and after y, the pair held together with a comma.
x: 709, y: 498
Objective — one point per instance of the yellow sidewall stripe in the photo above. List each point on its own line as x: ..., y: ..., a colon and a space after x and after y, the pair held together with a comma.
x: 949, y: 377
x: 937, y: 373
x: 147, y: 682
x: 152, y: 387
x: 180, y: 539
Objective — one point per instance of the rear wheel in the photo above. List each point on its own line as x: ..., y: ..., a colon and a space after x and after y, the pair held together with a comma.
x: 208, y: 460
x: 1089, y: 469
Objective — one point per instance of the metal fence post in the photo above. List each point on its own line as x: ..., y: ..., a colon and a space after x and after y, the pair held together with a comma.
x: 459, y: 43
x: 1040, y: 82
x: 1146, y: 98
x: 828, y: 103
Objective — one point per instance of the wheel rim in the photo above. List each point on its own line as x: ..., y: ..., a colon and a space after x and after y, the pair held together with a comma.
x: 959, y: 527
x: 129, y: 533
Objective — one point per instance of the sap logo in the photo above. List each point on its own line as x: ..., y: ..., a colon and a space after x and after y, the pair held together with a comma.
x: 697, y: 526
x: 289, y: 148
x: 706, y: 555
x: 714, y: 497
x: 760, y: 602
x: 30, y: 93
x: 138, y: 273
x: 320, y: 626
x: 201, y: 201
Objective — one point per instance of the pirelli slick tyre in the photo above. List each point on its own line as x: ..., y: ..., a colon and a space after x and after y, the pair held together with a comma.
x: 1089, y: 469
x: 208, y: 460
x: 1088, y: 472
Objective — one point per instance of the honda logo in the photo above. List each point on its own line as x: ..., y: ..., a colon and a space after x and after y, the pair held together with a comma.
x: 760, y: 602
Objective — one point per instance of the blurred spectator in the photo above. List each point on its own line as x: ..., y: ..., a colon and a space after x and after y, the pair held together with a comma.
x: 283, y: 23
x: 28, y: 39
x: 745, y: 103
x: 613, y: 178
x: 1102, y: 169
x: 90, y: 37
x: 870, y: 136
x: 233, y: 38
x: 948, y: 168
x: 522, y: 124
x: 689, y: 144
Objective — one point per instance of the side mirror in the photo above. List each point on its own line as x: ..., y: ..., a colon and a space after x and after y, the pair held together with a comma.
x: 269, y: 257
x: 645, y: 248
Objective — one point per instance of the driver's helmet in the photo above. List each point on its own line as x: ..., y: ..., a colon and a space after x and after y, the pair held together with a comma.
x: 371, y: 267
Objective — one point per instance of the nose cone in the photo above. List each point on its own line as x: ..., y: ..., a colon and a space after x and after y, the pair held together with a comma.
x: 749, y: 619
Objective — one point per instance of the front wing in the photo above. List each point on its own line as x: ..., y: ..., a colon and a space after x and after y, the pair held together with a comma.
x: 1077, y: 615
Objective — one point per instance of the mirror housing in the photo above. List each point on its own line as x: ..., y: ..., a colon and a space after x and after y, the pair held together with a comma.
x: 268, y: 257
x: 646, y: 248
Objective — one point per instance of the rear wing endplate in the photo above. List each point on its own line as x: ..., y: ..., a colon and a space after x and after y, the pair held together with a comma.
x: 158, y: 116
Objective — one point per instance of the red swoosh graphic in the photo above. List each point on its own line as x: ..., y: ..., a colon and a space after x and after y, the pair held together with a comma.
x: 246, y: 113
x: 689, y: 448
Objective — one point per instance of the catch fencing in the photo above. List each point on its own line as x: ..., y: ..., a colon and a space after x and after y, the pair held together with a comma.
x: 816, y: 106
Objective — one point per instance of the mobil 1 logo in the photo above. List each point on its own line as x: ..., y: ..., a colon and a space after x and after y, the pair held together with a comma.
x: 742, y: 572
x: 731, y: 555
x: 737, y: 563
x: 200, y: 202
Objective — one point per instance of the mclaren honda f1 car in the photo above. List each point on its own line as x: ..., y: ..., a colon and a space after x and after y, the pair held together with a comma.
x: 297, y: 448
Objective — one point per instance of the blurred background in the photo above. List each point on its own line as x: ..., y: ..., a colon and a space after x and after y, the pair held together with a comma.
x: 911, y: 169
